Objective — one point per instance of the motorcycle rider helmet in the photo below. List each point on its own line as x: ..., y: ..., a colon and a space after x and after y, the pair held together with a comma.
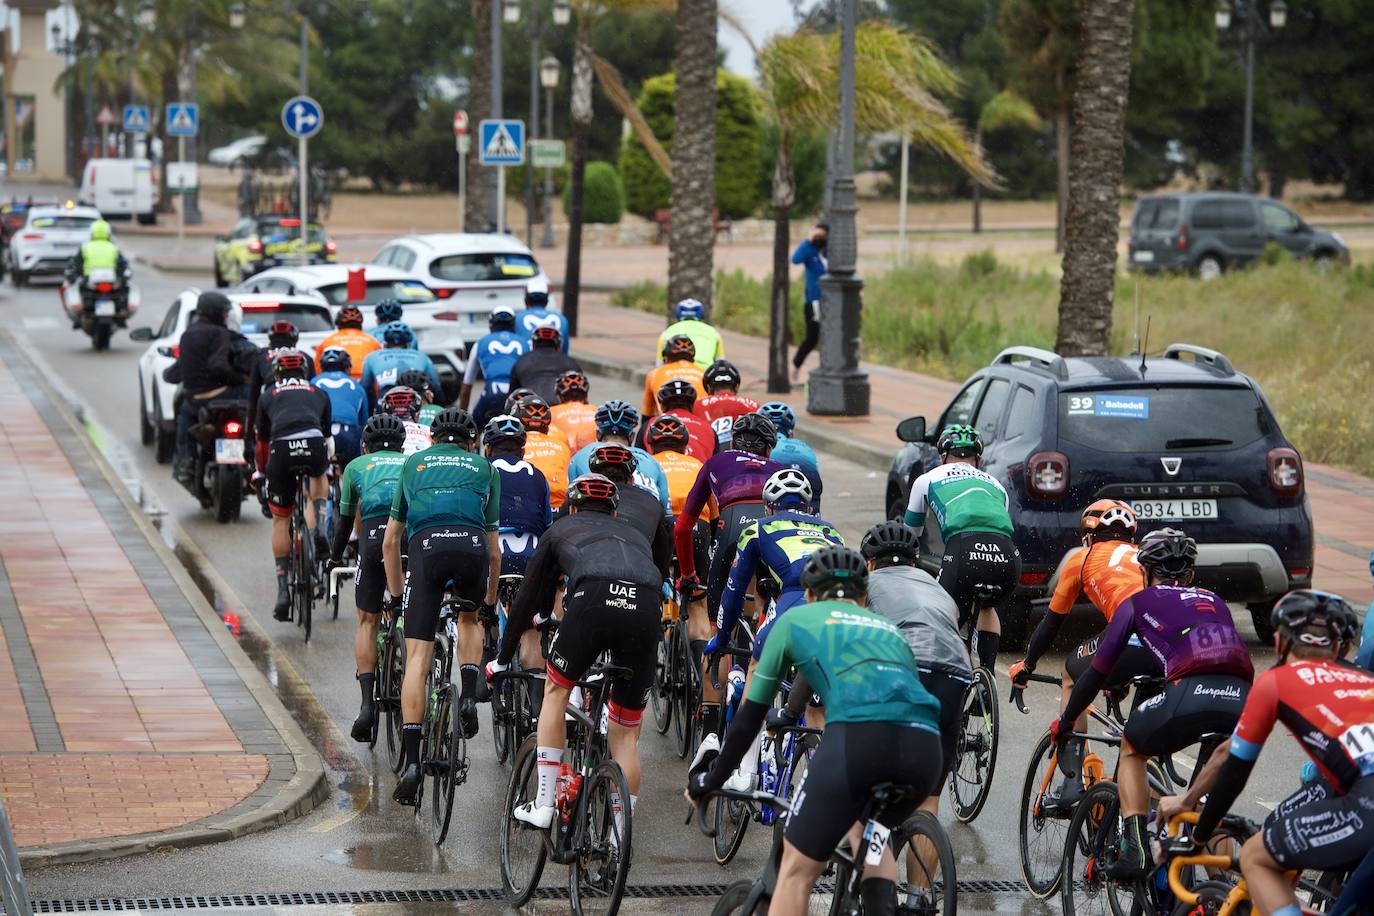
x: 782, y: 417
x: 667, y: 433
x: 350, y: 316
x: 213, y: 306
x: 396, y: 334
x: 689, y: 308
x: 892, y: 542
x: 289, y: 364
x: 455, y: 425
x: 415, y: 378
x: 836, y: 572
x: 384, y: 431
x: 504, y: 429
x: 387, y: 311
x: 572, y: 386
x: 1107, y: 520
x: 679, y: 347
x: 616, y: 462
x: 787, y: 489
x: 335, y: 359
x: 615, y: 417
x: 753, y: 432
x: 595, y: 492
x: 100, y: 231
x: 676, y: 393
x: 534, y: 412
x: 282, y: 333
x: 1168, y: 554
x: 502, y: 318
x: 515, y: 397
x: 403, y: 402
x: 961, y: 441
x: 721, y: 375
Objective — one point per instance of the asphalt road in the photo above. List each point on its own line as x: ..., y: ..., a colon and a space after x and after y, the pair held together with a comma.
x: 360, y: 840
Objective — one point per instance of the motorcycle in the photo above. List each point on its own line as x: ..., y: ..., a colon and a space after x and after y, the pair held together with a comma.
x: 99, y: 303
x: 219, y: 469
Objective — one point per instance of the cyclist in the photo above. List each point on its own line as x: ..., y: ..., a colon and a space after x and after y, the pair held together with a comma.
x: 367, y: 491
x: 404, y: 403
x: 524, y: 513
x: 383, y: 369
x: 418, y: 381
x: 390, y: 313
x: 723, y: 401
x: 882, y: 726
x: 544, y: 446
x: 790, y: 450
x: 351, y: 336
x: 676, y: 399
x: 678, y: 363
x: 667, y: 440
x: 1365, y: 657
x: 615, y: 423
x: 492, y: 357
x: 690, y: 320
x: 347, y: 403
x: 572, y: 415
x: 293, y: 422
x: 1328, y: 706
x: 446, y: 512
x: 542, y: 365
x: 637, y: 507
x: 611, y: 604
x: 538, y: 315
x: 281, y: 337
x: 1207, y: 672
x: 981, y: 565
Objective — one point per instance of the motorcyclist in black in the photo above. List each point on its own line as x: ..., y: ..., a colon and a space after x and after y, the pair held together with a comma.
x: 543, y: 365
x: 205, y: 369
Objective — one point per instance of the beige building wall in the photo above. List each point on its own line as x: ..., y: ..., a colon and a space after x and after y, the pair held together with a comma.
x: 32, y: 70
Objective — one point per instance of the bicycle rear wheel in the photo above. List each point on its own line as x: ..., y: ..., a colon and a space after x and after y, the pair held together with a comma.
x: 661, y: 694
x: 732, y: 821
x: 522, y: 848
x: 735, y: 900
x: 500, y: 719
x: 450, y: 765
x: 1040, y: 836
x: 927, y: 881
x: 596, y: 879
x: 686, y: 686
x: 970, y: 780
x: 392, y: 674
x: 1093, y: 843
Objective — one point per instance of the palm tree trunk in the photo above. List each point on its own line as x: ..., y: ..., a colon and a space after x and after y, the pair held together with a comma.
x: 581, y: 105
x: 692, y: 234
x: 480, y: 180
x: 977, y: 189
x: 1062, y: 160
x: 784, y: 193
x: 168, y: 86
x: 1093, y: 217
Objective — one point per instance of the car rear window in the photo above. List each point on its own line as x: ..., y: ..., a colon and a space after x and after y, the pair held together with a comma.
x: 1161, y: 419
x: 402, y: 290
x: 259, y: 316
x: 61, y: 222
x: 483, y: 267
x: 1157, y: 213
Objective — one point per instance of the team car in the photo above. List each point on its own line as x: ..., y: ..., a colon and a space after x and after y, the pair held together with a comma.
x: 261, y: 242
x: 47, y: 240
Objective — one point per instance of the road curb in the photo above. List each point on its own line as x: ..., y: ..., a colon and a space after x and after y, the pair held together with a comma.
x: 168, y: 267
x: 306, y: 788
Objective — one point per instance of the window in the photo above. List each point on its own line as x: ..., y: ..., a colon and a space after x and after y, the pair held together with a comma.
x: 1279, y: 219
x: 1023, y: 418
x: 259, y: 316
x: 1238, y: 214
x: 283, y: 229
x: 383, y: 258
x: 990, y: 411
x: 1161, y: 419
x: 61, y: 222
x: 1145, y: 213
x: 478, y: 268
x: 1166, y: 217
x: 1207, y: 215
x: 403, y: 290
x: 169, y: 321
x: 244, y: 229
x: 962, y: 408
x: 404, y: 259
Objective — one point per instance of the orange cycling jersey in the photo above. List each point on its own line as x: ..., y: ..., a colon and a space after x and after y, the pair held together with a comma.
x: 662, y: 375
x: 357, y: 343
x: 1108, y: 572
x: 681, y: 471
x: 577, y: 421
x: 549, y: 453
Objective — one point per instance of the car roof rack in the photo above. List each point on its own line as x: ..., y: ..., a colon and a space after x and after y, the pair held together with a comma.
x: 1202, y: 356
x: 1039, y: 359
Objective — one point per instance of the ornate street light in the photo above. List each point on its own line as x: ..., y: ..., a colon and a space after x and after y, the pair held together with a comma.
x: 238, y: 16
x: 562, y: 12
x: 147, y: 14
x: 1223, y: 16
x: 1278, y: 14
x: 549, y: 72
x: 510, y: 11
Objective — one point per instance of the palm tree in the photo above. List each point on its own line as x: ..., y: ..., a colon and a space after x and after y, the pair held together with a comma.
x: 1098, y: 155
x: 481, y: 183
x: 692, y: 232
x: 1003, y: 110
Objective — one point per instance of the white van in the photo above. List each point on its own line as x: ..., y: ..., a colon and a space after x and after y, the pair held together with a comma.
x: 121, y: 188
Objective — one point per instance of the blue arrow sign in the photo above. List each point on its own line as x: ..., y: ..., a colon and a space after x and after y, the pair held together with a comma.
x: 135, y: 119
x: 501, y: 142
x: 183, y: 119
x: 302, y: 117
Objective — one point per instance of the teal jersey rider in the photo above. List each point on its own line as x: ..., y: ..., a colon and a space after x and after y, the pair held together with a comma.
x: 369, y: 484
x: 447, y: 485
x: 963, y: 497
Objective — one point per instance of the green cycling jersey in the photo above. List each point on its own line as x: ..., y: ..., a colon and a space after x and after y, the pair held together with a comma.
x: 446, y: 485
x: 963, y: 498
x: 369, y: 484
x: 428, y: 413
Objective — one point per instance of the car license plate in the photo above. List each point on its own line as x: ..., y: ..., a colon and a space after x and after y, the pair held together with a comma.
x: 104, y: 308
x: 1143, y: 257
x: 1172, y: 509
x: 228, y: 451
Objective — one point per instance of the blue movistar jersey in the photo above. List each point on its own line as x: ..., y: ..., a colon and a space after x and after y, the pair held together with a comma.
x: 383, y: 367
x: 495, y: 356
x: 648, y: 474
x: 347, y: 399
x: 529, y: 319
x: 797, y: 454
x: 379, y: 332
x: 524, y: 495
x: 779, y: 545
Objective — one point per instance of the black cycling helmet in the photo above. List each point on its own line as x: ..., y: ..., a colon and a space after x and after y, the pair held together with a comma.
x: 282, y: 333
x: 515, y: 397
x: 1167, y: 554
x: 396, y: 334
x: 754, y: 433
x: 667, y: 433
x: 593, y: 491
x: 387, y: 311
x: 615, y: 417
x: 213, y: 306
x: 453, y: 424
x: 502, y: 318
x: 1314, y: 618
x: 414, y: 378
x: 502, y: 430
x: 836, y: 572
x: 720, y: 375
x: 335, y: 359
x: 615, y: 462
x: 961, y: 441
x: 677, y: 392
x: 890, y: 543
x: 289, y: 364
x: 679, y: 347
x: 384, y: 431
x: 403, y: 402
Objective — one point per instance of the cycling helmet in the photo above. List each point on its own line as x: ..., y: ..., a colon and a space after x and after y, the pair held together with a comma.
x: 616, y: 417
x: 534, y: 412
x: 516, y: 396
x: 721, y: 374
x: 572, y: 386
x: 1167, y: 553
x: 754, y: 432
x: 403, y: 402
x: 384, y: 431
x: 679, y: 347
x: 414, y: 378
x: 836, y: 572
x: 214, y: 306
x: 677, y: 392
x: 503, y: 429
x: 396, y: 334
x: 667, y: 433
x: 546, y: 336
x: 593, y: 491
x: 787, y: 488
x: 690, y: 308
x: 502, y: 318
x: 537, y: 294
x: 1315, y: 618
x: 892, y: 542
x: 335, y: 359
x: 282, y: 334
x: 615, y: 462
x: 453, y: 424
x: 961, y: 441
x: 289, y: 364
x: 350, y: 316
x: 1108, y: 520
x: 387, y: 311
x: 782, y: 417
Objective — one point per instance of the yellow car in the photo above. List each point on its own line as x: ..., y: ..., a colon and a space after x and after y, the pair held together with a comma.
x: 260, y: 242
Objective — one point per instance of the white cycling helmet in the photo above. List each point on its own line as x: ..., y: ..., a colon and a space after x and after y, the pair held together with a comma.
x: 788, y: 487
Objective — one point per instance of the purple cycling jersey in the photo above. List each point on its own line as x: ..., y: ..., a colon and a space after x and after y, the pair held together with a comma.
x: 1189, y: 630
x: 731, y: 477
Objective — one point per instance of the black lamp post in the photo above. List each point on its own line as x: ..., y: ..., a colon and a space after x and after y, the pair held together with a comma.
x: 1278, y: 18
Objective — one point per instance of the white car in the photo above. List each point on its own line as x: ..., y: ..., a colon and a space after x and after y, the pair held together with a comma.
x: 156, y: 397
x: 45, y: 244
x: 232, y: 154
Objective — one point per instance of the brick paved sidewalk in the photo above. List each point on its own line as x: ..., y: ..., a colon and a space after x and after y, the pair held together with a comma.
x: 623, y: 342
x: 123, y: 715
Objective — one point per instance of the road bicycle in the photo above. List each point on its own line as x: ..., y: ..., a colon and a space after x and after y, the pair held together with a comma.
x: 509, y: 710
x: 677, y: 682
x: 975, y: 752
x: 300, y: 573
x: 391, y: 672
x: 443, y: 748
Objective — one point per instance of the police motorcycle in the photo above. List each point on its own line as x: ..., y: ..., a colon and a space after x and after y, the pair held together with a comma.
x: 100, y: 302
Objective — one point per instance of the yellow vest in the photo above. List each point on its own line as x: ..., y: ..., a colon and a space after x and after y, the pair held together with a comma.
x: 99, y: 254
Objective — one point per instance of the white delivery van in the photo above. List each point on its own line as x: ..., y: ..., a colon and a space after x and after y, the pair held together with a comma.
x: 121, y: 188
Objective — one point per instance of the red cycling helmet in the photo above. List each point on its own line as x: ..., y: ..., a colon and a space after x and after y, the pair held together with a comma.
x: 534, y: 412
x: 593, y: 491
x: 667, y: 433
x: 283, y: 333
x: 349, y: 317
x: 289, y: 364
x: 403, y: 402
x: 547, y: 336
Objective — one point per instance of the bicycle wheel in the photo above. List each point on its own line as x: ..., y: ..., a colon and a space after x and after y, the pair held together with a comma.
x: 927, y: 881
x: 661, y: 695
x: 500, y: 719
x: 1211, y: 895
x: 735, y: 900
x: 393, y: 668
x: 1040, y: 836
x: 450, y: 766
x: 522, y: 848
x: 596, y: 878
x: 687, y: 692
x: 732, y: 820
x: 1093, y: 843
x: 970, y: 780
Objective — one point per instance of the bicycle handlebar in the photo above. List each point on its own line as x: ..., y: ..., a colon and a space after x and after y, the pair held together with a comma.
x: 1018, y: 693
x: 753, y: 795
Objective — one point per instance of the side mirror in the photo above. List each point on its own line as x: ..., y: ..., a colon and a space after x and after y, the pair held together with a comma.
x: 142, y: 335
x: 912, y: 429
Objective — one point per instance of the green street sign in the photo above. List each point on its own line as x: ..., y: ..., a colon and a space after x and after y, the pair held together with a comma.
x: 547, y: 154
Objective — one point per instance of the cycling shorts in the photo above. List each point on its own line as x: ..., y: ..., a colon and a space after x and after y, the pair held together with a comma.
x: 843, y: 772
x: 348, y: 443
x: 789, y: 599
x: 731, y: 524
x: 490, y: 404
x: 979, y: 570
x: 370, y: 582
x: 1134, y: 661
x: 1186, y: 710
x: 516, y: 549
x: 285, y: 458
x: 1318, y: 829
x: 949, y: 688
x: 606, y: 615
x: 445, y: 558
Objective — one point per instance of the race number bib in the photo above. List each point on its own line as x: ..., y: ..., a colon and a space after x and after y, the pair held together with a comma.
x: 1358, y: 741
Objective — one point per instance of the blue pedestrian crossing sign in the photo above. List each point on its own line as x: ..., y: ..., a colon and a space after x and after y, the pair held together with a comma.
x: 183, y: 119
x: 302, y: 117
x: 501, y: 142
x: 135, y: 119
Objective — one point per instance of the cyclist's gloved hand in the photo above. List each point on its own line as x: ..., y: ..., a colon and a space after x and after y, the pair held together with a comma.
x: 391, y: 606
x: 1060, y: 732
x: 698, y: 784
x: 715, y: 644
x: 256, y: 480
x: 542, y: 621
x: 487, y: 612
x: 777, y: 718
x: 668, y: 593
x: 494, y: 667
x: 1309, y: 772
x: 687, y: 586
x: 1020, y: 673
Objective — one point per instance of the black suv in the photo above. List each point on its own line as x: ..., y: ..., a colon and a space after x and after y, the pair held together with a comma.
x: 1186, y: 439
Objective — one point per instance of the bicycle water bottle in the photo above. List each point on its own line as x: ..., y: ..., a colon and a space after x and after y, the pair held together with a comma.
x: 768, y: 779
x: 736, y: 689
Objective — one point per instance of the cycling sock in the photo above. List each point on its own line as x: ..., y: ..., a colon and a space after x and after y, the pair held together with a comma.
x: 410, y: 738
x: 319, y: 512
x: 987, y: 649
x: 550, y: 762
x: 467, y: 676
x: 710, y: 719
x: 879, y: 896
x: 750, y: 763
x: 366, y: 683
x: 283, y: 564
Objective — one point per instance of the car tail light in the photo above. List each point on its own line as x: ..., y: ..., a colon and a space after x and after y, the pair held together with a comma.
x: 1285, y: 471
x: 443, y: 293
x: 173, y: 351
x: 448, y: 316
x: 1299, y: 572
x: 32, y: 236
x: 259, y: 306
x: 255, y: 247
x: 1182, y: 238
x: 104, y: 287
x: 1034, y: 578
x: 330, y: 247
x: 233, y: 429
x: 1047, y: 474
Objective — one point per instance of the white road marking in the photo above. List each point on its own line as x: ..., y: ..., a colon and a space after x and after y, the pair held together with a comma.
x: 40, y: 323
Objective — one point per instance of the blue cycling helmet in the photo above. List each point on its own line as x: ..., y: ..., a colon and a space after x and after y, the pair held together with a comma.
x: 504, y: 428
x: 387, y: 311
x: 396, y: 334
x: 616, y: 417
x: 784, y: 420
x: 690, y: 308
x: 335, y: 359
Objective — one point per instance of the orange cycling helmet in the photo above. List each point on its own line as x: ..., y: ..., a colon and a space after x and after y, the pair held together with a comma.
x: 1107, y: 520
x: 534, y: 412
x: 667, y: 433
x: 349, y: 317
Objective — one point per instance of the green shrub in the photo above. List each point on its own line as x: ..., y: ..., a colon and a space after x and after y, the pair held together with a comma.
x: 1274, y: 253
x: 603, y: 199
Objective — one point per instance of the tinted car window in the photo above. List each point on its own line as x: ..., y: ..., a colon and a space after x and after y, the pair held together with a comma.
x: 1278, y: 219
x: 61, y: 222
x: 1161, y: 419
x: 990, y: 411
x: 1207, y: 215
x: 961, y: 410
x: 1145, y: 213
x: 1238, y: 214
x: 1022, y: 419
x: 377, y: 290
x: 258, y: 317
x: 1166, y: 216
x: 169, y: 321
x: 483, y: 267
x: 281, y: 230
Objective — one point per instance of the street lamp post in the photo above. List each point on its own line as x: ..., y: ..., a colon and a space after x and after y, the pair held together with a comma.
x: 536, y: 34
x: 548, y: 78
x: 1278, y: 18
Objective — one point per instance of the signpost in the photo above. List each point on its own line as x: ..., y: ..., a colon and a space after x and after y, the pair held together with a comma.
x: 501, y: 143
x: 303, y: 117
x: 106, y: 119
x: 461, y: 139
x: 135, y: 122
x: 183, y: 120
x: 548, y: 154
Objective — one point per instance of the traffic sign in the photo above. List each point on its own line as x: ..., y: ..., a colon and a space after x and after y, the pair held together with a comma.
x: 547, y: 154
x: 302, y: 117
x: 502, y: 142
x: 460, y: 123
x: 106, y: 118
x: 183, y: 119
x: 182, y: 177
x: 135, y: 119
x: 464, y: 144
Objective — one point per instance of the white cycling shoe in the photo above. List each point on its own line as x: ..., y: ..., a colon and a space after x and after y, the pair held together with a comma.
x: 535, y: 816
x: 740, y: 781
x: 710, y: 745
